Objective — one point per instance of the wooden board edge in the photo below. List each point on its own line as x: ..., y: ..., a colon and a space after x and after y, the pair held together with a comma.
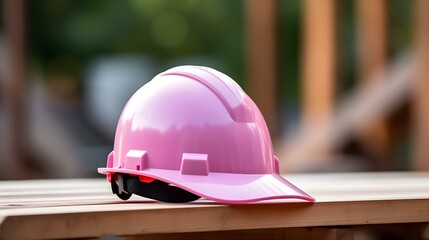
x: 177, y: 220
x: 257, y: 234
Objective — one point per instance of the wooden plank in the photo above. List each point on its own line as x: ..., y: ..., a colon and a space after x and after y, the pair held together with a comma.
x: 318, y: 66
x: 421, y: 86
x: 261, y: 57
x: 98, y: 191
x: 60, y: 192
x: 90, y: 221
x: 342, y: 200
x: 12, y: 164
x: 288, y: 233
x: 372, y: 46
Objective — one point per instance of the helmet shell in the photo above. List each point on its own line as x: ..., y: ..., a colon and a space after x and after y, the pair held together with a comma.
x: 176, y: 113
x: 195, y: 128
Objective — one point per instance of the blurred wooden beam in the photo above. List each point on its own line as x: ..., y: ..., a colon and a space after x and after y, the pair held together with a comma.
x: 260, y: 21
x: 318, y: 66
x: 421, y: 87
x: 301, y: 151
x: 371, y: 18
x: 13, y: 165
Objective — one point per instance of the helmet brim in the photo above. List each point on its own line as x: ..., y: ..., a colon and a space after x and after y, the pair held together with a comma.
x: 225, y: 188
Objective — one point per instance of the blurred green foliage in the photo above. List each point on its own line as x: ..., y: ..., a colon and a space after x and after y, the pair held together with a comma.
x: 66, y: 34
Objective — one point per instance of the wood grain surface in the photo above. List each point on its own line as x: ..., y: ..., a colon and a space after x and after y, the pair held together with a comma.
x: 77, y: 208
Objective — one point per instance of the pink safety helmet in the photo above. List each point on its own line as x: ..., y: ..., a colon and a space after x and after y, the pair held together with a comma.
x: 192, y: 132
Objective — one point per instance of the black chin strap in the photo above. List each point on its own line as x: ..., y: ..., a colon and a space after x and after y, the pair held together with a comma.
x: 158, y: 190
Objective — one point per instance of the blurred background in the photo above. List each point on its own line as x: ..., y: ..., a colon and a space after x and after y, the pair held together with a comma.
x: 342, y: 84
